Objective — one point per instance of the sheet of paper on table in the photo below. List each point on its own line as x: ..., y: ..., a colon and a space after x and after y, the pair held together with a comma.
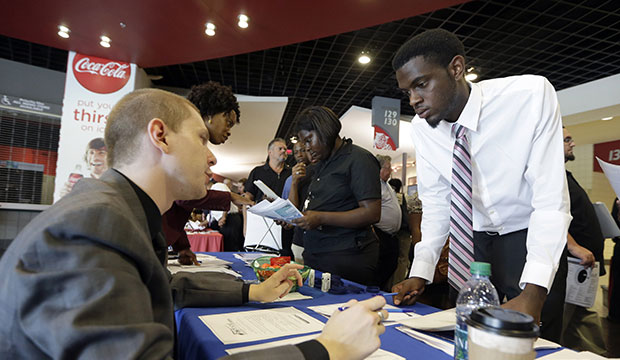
x: 254, y: 325
x: 568, y: 354
x: 438, y: 321
x: 293, y: 296
x: 544, y: 344
x: 581, y: 283
x: 443, y: 345
x: 209, y: 263
x: 377, y: 355
x: 248, y: 257
x: 394, y: 313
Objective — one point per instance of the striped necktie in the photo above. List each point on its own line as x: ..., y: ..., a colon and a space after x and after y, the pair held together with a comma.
x: 461, y: 229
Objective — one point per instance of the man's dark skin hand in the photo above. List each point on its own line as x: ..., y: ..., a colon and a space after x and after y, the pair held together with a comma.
x: 530, y: 301
x: 187, y: 257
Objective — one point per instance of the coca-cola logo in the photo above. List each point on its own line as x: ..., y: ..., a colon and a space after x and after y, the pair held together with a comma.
x: 100, y: 75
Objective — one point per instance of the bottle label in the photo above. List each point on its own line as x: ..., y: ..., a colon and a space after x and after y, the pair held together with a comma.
x: 460, y: 343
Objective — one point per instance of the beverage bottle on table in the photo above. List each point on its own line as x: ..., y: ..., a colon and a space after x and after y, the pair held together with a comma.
x: 477, y: 292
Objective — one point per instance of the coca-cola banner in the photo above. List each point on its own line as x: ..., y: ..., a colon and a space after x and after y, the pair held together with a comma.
x: 93, y: 85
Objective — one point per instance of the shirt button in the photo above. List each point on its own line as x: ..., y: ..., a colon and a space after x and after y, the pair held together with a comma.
x: 492, y: 212
x: 318, y: 179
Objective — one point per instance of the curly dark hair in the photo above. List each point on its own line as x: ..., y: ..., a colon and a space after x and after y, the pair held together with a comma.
x: 437, y: 45
x: 213, y: 98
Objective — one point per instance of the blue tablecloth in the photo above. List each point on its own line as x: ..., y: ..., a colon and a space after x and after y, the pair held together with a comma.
x: 196, y: 341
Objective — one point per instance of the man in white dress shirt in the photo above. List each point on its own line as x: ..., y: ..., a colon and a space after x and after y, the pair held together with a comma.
x: 519, y: 192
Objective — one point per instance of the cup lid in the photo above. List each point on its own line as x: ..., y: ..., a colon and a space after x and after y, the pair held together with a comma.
x: 503, y: 322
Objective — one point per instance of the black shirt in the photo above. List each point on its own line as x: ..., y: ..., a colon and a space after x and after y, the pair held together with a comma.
x: 584, y: 227
x: 338, y: 184
x: 271, y: 178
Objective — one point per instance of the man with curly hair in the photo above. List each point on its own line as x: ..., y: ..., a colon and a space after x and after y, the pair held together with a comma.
x: 219, y: 109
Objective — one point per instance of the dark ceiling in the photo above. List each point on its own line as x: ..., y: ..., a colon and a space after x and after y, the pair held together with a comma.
x: 571, y: 42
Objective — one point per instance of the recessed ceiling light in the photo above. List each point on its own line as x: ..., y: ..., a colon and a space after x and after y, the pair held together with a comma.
x: 63, y: 31
x: 471, y: 76
x: 364, y: 58
x: 210, y: 29
x: 105, y: 38
x: 243, y: 21
x: 105, y: 41
x: 607, y: 118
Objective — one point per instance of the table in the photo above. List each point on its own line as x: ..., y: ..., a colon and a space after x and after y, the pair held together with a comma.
x: 196, y: 341
x: 211, y: 241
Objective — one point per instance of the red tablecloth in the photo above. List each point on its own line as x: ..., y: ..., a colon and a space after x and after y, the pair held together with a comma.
x: 207, y: 241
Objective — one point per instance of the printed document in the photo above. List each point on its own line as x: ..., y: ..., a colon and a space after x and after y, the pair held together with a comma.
x: 437, y: 321
x: 581, y: 283
x: 377, y: 355
x: 253, y: 325
x: 612, y: 172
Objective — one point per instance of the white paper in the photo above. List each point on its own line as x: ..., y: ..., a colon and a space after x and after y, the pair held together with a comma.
x: 279, y: 209
x: 377, y: 355
x: 292, y: 296
x: 432, y: 341
x: 253, y: 325
x: 394, y: 313
x: 544, y: 344
x: 266, y: 189
x: 581, y: 283
x: 612, y: 172
x: 438, y: 321
x: 607, y: 223
x: 248, y: 257
x: 568, y: 354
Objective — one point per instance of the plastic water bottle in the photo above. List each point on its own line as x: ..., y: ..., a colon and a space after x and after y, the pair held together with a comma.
x: 477, y: 292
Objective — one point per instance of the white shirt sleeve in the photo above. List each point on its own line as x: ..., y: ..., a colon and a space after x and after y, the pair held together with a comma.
x: 548, y: 225
x: 435, y: 196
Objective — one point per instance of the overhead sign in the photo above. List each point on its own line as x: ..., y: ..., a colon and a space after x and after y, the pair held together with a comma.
x: 386, y: 121
x: 8, y: 101
x: 92, y: 87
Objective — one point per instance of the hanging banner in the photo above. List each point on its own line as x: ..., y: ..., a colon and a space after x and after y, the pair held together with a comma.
x: 93, y: 85
x: 386, y: 121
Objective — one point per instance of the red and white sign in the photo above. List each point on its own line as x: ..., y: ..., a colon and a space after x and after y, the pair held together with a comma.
x: 99, y: 75
x: 608, y: 152
x: 92, y: 87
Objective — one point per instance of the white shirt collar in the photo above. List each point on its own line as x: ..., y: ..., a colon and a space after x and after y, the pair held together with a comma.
x: 471, y: 112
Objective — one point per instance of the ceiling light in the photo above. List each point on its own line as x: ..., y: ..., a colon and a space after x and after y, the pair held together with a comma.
x: 210, y: 29
x: 471, y: 76
x: 63, y: 31
x: 243, y: 21
x: 105, y: 41
x: 364, y: 58
x: 607, y: 118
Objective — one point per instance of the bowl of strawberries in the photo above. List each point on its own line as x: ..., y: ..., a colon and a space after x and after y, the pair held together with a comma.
x: 266, y: 266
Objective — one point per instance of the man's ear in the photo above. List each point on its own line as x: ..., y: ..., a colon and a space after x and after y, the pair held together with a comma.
x: 456, y: 68
x: 158, y: 133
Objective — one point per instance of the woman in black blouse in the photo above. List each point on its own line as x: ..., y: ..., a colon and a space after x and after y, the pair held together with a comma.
x: 344, y: 199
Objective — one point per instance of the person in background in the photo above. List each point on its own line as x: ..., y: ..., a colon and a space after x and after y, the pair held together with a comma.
x: 582, y: 328
x: 614, y: 271
x: 230, y: 223
x: 409, y: 233
x: 273, y: 173
x: 296, y: 191
x: 344, y: 200
x: 490, y: 175
x: 219, y: 110
x: 389, y: 225
x: 75, y: 285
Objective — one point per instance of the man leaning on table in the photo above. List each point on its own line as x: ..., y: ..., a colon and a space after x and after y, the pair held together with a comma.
x: 87, y: 277
x: 506, y: 138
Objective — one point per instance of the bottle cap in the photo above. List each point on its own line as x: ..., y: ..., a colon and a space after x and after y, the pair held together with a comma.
x: 480, y: 268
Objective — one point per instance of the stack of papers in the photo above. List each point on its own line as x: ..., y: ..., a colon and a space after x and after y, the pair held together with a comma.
x: 395, y: 314
x: 279, y: 209
x: 377, y: 355
x: 208, y: 263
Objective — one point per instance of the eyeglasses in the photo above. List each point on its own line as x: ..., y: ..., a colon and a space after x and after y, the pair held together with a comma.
x: 568, y: 140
